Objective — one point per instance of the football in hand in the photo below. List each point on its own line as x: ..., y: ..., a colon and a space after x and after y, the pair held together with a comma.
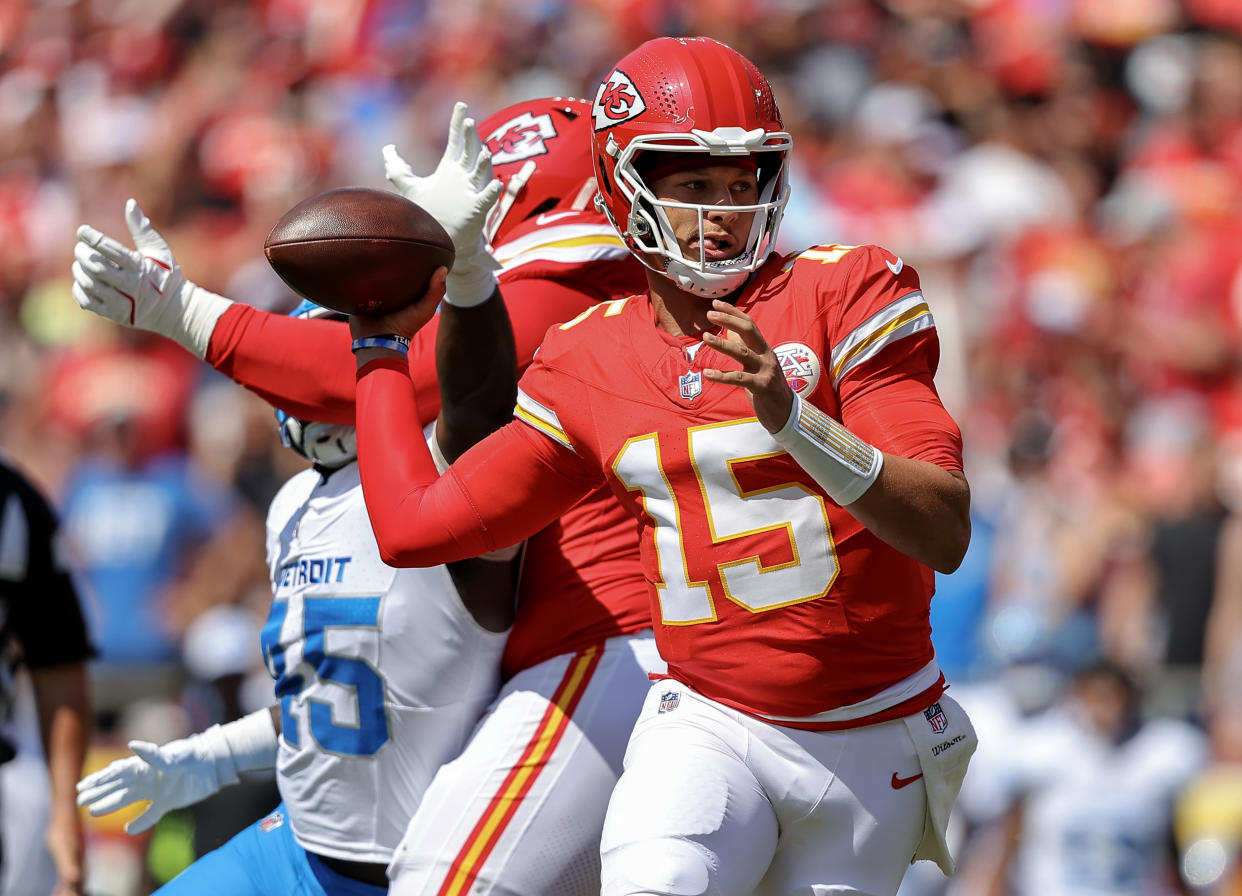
x: 357, y: 250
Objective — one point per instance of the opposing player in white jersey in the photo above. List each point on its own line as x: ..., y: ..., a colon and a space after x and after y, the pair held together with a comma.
x: 520, y: 811
x: 1093, y: 787
x: 381, y: 673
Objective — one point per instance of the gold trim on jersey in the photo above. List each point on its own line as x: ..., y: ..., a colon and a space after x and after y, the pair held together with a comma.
x: 565, y: 244
x: 541, y: 418
x: 904, y: 317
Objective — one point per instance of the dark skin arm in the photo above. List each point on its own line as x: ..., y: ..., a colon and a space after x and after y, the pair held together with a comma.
x: 65, y: 721
x: 917, y: 507
x: 476, y: 364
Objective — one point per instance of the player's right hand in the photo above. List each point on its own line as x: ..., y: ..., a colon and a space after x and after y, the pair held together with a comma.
x: 403, y: 321
x: 171, y: 776
x: 143, y: 287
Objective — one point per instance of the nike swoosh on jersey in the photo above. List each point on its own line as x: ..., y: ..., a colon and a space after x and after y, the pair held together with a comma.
x: 899, y: 783
x: 895, y: 268
x: 549, y: 217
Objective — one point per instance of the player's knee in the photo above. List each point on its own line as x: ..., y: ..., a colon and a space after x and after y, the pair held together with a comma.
x: 663, y: 867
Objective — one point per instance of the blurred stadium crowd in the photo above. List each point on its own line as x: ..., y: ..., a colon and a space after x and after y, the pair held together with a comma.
x: 1066, y: 175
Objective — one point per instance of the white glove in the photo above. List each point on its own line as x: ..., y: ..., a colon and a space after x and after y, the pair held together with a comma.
x: 181, y: 772
x: 459, y: 194
x: 144, y: 288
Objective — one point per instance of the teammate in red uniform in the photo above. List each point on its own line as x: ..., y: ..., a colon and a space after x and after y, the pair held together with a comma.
x: 772, y: 424
x: 520, y: 812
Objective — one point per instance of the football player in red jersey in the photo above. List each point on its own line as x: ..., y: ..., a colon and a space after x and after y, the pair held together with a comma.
x: 521, y: 810
x: 802, y: 741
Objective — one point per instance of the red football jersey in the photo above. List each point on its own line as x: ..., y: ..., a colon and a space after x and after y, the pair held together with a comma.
x: 767, y: 595
x: 581, y: 581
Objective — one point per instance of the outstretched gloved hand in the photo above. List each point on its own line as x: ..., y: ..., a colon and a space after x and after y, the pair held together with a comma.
x: 459, y: 194
x: 143, y: 287
x: 181, y: 772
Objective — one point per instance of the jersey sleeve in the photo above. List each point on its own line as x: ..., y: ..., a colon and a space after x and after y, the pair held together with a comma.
x: 883, y: 362
x: 301, y: 366
x: 45, y: 611
x: 500, y: 492
x: 305, y: 367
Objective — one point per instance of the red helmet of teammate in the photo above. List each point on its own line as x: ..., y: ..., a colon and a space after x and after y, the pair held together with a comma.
x: 687, y: 95
x: 541, y: 150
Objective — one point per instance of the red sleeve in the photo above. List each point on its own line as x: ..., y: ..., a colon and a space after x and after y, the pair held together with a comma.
x: 893, y: 404
x: 305, y: 366
x: 890, y: 399
x: 505, y: 489
x: 302, y: 366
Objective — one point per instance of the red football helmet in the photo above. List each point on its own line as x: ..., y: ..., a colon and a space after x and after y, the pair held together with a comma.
x: 541, y: 150
x: 687, y: 95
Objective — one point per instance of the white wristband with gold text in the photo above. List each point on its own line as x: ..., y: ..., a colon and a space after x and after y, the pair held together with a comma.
x: 844, y: 465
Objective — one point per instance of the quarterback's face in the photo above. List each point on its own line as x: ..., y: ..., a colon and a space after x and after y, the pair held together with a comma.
x: 724, y: 231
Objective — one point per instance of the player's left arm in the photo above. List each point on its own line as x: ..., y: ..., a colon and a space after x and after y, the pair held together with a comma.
x: 916, y: 505
x: 912, y: 493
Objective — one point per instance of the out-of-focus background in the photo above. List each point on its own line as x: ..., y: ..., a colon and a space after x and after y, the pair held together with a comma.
x: 1066, y: 175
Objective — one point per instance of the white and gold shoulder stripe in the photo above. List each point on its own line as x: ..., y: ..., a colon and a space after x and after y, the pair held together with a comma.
x: 564, y: 244
x: 541, y: 417
x: 902, y: 318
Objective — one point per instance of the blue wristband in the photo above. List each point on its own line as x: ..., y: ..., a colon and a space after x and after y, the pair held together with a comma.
x: 390, y: 341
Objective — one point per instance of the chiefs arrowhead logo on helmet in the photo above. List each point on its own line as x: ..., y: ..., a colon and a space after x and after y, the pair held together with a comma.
x: 617, y: 100
x: 681, y: 96
x: 520, y: 138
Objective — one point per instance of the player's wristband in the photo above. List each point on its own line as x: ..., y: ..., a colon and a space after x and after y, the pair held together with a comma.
x: 471, y: 281
x: 844, y: 465
x: 199, y: 311
x: 390, y: 341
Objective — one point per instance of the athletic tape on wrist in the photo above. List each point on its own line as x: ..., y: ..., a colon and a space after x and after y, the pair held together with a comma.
x: 199, y: 312
x: 390, y: 341
x: 469, y: 286
x: 844, y: 465
x: 244, y: 745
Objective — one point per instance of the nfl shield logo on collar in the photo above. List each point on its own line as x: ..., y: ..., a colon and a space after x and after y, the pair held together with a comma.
x: 272, y: 822
x: 669, y: 701
x: 691, y: 384
x: 936, y: 717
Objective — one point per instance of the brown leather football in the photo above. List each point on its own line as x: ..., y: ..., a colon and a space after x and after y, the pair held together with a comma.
x: 358, y: 250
